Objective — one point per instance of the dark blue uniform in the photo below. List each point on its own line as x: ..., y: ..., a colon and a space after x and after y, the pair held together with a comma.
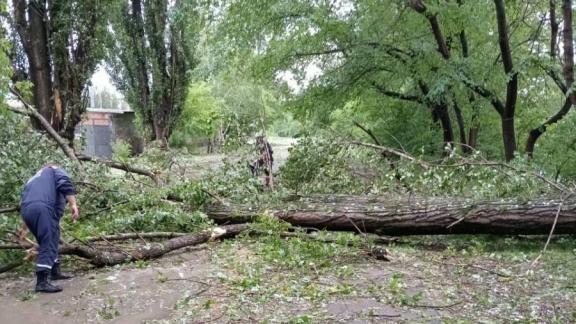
x: 42, y: 206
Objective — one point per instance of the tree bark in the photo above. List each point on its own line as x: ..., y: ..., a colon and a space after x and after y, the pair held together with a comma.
x: 508, y: 130
x: 29, y: 18
x: 461, y: 127
x: 415, y: 215
x: 553, y: 28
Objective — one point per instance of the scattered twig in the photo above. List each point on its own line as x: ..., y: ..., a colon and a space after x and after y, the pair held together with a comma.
x: 435, y: 306
x: 549, y: 235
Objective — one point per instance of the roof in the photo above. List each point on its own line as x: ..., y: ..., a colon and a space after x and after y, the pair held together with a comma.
x: 108, y: 111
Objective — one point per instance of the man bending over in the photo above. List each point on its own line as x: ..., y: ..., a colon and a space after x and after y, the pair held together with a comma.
x: 43, y: 201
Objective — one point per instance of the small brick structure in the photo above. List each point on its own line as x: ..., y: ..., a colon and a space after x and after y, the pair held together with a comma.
x: 101, y: 128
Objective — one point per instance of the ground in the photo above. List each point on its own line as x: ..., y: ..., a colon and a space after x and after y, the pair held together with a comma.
x: 302, y: 279
x: 244, y: 280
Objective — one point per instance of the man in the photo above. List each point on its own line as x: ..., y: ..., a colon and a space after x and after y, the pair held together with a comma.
x: 264, y: 161
x: 43, y: 201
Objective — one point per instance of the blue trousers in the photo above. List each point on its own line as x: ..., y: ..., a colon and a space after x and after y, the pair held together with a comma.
x: 45, y: 226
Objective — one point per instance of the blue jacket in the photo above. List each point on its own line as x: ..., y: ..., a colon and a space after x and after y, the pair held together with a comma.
x: 49, y: 186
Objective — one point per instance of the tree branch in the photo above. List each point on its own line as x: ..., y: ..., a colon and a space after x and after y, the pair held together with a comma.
x: 323, y: 52
x: 396, y: 95
x: 9, y: 209
x: 121, y: 166
x: 485, y: 93
x: 30, y: 111
x: 419, y: 7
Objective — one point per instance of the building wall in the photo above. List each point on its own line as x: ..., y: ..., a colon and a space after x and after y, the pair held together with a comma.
x: 100, y: 130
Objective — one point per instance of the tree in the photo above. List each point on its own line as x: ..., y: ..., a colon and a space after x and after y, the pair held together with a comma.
x: 62, y: 43
x: 425, y: 54
x: 150, y: 59
x: 568, y: 70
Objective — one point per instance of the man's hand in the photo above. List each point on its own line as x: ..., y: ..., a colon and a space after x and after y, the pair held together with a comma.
x: 75, y: 212
x: 74, y: 206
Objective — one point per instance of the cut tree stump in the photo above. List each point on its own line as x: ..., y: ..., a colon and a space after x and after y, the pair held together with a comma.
x: 413, y: 215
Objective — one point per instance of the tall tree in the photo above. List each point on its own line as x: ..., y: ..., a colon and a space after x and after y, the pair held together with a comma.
x: 150, y: 59
x: 62, y: 43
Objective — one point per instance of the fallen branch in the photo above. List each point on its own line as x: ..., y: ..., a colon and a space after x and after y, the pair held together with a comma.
x: 121, y: 166
x: 134, y: 236
x: 549, y: 235
x: 9, y: 209
x: 150, y: 251
x: 11, y: 266
x: 30, y: 111
x: 392, y: 151
x: 465, y: 162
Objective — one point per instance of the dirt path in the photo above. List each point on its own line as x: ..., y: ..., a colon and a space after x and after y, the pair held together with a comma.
x: 230, y: 283
x: 197, y: 166
x: 126, y: 294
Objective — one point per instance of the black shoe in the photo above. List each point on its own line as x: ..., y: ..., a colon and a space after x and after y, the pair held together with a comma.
x: 43, y: 285
x: 56, y: 274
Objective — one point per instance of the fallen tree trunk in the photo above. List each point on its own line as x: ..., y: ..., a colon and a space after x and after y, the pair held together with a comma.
x: 113, y: 255
x: 151, y: 250
x: 414, y: 215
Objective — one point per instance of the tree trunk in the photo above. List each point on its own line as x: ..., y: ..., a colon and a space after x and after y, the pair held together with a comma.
x: 36, y: 47
x: 440, y: 113
x: 161, y: 122
x: 461, y: 128
x: 415, y: 215
x: 149, y: 251
x: 509, y: 137
x: 507, y: 115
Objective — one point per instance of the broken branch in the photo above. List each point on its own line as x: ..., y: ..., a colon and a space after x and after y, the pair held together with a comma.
x: 30, y: 111
x: 121, y: 166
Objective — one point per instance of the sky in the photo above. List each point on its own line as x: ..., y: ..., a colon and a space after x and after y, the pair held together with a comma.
x: 101, y: 80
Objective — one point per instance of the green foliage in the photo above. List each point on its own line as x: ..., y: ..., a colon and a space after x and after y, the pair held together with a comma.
x: 201, y: 116
x: 287, y: 126
x: 227, y: 110
x: 122, y: 150
x: 378, y: 62
x: 234, y: 181
x: 319, y: 165
x: 22, y: 153
x: 150, y: 58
